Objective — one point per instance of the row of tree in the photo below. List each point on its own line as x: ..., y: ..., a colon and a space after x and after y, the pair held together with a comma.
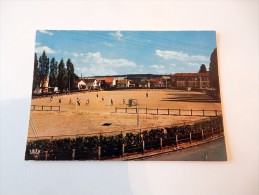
x: 58, y: 75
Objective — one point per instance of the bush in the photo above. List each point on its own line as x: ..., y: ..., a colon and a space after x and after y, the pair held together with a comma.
x: 111, y: 145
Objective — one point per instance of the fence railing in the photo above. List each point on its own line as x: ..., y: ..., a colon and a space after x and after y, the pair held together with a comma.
x: 124, y: 132
x: 101, y: 147
x: 45, y: 108
x: 169, y: 111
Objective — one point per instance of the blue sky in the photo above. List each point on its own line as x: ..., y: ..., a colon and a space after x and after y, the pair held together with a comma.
x: 128, y: 52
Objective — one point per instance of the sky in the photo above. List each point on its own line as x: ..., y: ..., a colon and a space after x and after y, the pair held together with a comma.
x: 128, y: 52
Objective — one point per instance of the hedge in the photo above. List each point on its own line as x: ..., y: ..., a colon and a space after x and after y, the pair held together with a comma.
x: 112, y: 145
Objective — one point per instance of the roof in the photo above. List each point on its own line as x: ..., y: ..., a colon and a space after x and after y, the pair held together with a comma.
x: 78, y: 81
x: 89, y: 80
x: 190, y: 74
x: 155, y: 80
x: 122, y: 81
x: 109, y: 79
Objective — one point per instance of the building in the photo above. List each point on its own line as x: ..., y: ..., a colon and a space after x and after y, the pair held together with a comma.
x: 193, y: 80
x: 122, y: 83
x: 156, y: 83
x: 91, y: 83
x: 80, y: 84
x: 110, y: 82
x: 143, y: 83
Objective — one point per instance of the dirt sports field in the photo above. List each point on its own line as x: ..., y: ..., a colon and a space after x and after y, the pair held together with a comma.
x: 89, y: 118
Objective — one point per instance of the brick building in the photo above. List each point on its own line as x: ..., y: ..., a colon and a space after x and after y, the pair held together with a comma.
x: 194, y: 80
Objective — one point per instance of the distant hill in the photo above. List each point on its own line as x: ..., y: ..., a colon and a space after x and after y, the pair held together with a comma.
x: 135, y: 76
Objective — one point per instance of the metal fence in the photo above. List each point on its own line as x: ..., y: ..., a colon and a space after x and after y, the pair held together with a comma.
x: 45, y: 108
x: 169, y: 111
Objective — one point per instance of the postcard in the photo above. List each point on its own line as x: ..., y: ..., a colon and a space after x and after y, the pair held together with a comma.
x: 125, y: 95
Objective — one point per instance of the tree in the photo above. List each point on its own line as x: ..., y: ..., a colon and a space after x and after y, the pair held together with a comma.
x: 53, y: 74
x: 43, y: 70
x: 62, y: 76
x: 70, y: 74
x: 203, y: 69
x: 213, y: 74
x: 36, y: 78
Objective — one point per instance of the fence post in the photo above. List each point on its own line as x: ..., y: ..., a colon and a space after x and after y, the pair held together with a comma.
x: 99, y: 152
x: 179, y: 112
x: 136, y: 110
x: 126, y: 110
x: 42, y: 107
x: 176, y: 140
x: 161, y: 143
x: 143, y: 147
x: 216, y: 112
x: 59, y: 108
x: 46, y: 155
x: 190, y: 138
x: 157, y: 111
x: 203, y: 112
x: 51, y: 108
x: 73, y: 154
x: 116, y: 109
x: 168, y: 111
x: 202, y: 135
x: 191, y: 112
x: 146, y: 110
x: 123, y: 149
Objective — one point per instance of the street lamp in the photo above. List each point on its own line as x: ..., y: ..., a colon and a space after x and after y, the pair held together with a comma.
x: 137, y: 112
x: 136, y: 102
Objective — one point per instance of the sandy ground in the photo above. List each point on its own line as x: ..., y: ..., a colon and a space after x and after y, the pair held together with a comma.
x: 89, y: 118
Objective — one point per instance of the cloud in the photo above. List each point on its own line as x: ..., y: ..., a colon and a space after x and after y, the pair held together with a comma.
x: 75, y: 54
x: 180, y: 56
x: 157, y: 66
x: 193, y: 64
x: 44, y: 48
x: 118, y: 35
x: 46, y: 32
x: 158, y: 69
x: 96, y: 64
x: 96, y: 58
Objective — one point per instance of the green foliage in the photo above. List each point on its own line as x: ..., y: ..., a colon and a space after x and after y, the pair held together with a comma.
x: 53, y: 74
x: 203, y: 69
x: 36, y: 77
x: 62, y: 76
x: 43, y: 69
x: 70, y: 74
x: 111, y: 145
x: 213, y: 74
